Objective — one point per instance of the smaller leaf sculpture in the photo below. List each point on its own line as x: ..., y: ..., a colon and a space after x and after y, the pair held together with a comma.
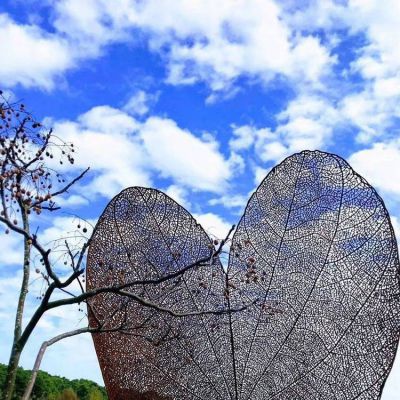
x: 314, y: 260
x: 143, y: 235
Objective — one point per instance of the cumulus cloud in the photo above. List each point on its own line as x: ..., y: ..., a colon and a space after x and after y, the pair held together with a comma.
x: 243, y: 137
x: 213, y: 224
x: 231, y: 201
x: 176, y: 153
x: 139, y: 103
x: 379, y: 64
x: 122, y: 152
x: 103, y: 141
x: 66, y: 228
x: 54, y: 321
x: 10, y: 249
x: 396, y: 227
x: 307, y: 122
x: 259, y: 174
x: 94, y: 23
x: 371, y: 107
x: 73, y: 200
x: 392, y: 385
x: 214, y: 42
x: 179, y: 194
x: 379, y: 164
x: 30, y: 55
x: 218, y: 42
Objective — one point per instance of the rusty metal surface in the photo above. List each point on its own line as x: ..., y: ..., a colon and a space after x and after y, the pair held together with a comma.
x: 315, y: 249
x: 144, y: 234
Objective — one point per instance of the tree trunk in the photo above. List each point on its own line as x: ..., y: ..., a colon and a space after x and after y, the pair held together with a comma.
x: 16, y: 349
x: 39, y: 357
x: 29, y: 388
x: 9, y: 384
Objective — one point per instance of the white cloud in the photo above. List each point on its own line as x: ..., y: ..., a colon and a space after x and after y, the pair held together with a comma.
x: 179, y: 194
x: 94, y: 23
x: 236, y: 163
x: 396, y: 227
x: 306, y: 123
x: 374, y: 110
x: 381, y: 56
x: 9, y: 291
x: 66, y: 227
x: 273, y: 150
x: 392, y: 385
x: 311, y: 61
x: 72, y: 201
x: 259, y: 174
x: 373, y: 106
x: 11, y: 251
x: 37, y: 56
x: 176, y: 153
x: 107, y: 119
x: 226, y: 42
x: 86, y: 366
x: 215, y: 42
x: 123, y: 152
x: 139, y: 103
x: 52, y: 323
x: 30, y: 55
x: 213, y: 224
x: 380, y: 164
x: 104, y: 140
x: 230, y: 201
x: 243, y: 137
x: 313, y: 15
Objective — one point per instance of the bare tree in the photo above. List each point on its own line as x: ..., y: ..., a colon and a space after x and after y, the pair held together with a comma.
x: 30, y: 185
x: 119, y: 318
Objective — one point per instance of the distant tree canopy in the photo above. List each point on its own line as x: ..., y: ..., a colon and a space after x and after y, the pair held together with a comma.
x: 49, y: 387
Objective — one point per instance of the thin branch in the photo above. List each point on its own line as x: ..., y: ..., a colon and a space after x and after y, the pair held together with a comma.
x: 65, y: 188
x: 150, y: 304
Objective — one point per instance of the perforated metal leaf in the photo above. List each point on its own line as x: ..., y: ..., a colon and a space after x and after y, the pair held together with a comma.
x: 145, y: 235
x: 314, y: 246
x: 322, y: 242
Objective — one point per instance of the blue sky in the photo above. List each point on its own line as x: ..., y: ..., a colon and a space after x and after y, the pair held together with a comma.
x: 198, y: 99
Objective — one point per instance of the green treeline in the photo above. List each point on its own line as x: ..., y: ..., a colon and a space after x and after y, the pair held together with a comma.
x: 49, y: 387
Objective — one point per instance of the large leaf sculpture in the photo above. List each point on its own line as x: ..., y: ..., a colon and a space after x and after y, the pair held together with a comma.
x: 314, y: 251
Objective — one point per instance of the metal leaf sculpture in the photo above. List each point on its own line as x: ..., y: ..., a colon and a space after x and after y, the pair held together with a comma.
x: 314, y: 251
